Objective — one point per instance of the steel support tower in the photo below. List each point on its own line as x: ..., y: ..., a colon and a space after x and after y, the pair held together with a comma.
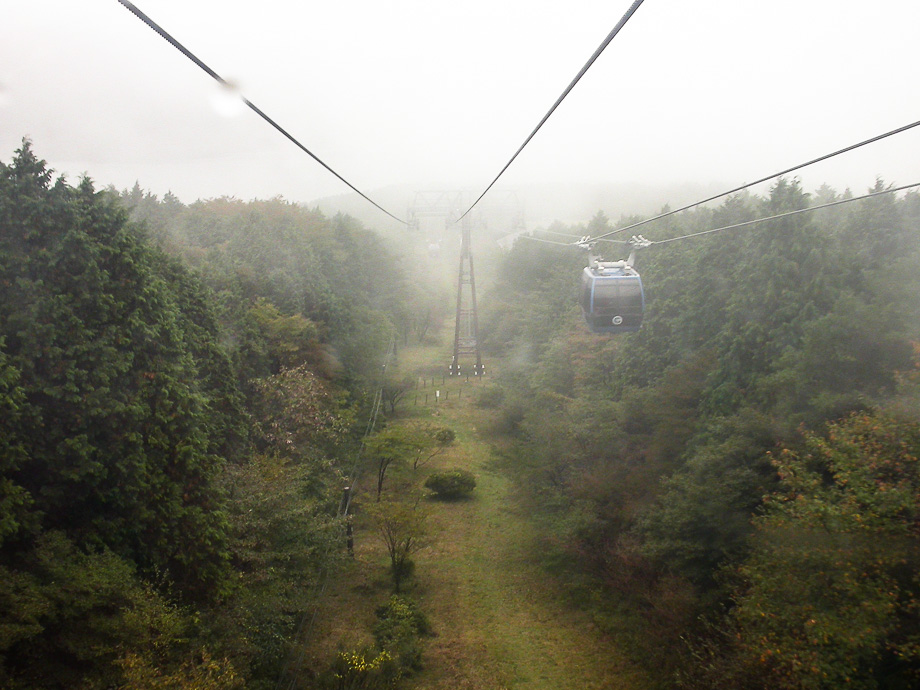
x: 466, y: 329
x: 435, y: 204
x: 506, y: 210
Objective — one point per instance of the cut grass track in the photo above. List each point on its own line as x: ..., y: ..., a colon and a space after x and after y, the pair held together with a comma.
x: 498, y: 617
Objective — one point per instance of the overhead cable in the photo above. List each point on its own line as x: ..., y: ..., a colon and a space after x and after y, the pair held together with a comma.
x: 789, y: 213
x: 258, y: 111
x: 566, y: 244
x: 600, y: 49
x: 560, y: 234
x: 762, y: 179
x: 540, y: 239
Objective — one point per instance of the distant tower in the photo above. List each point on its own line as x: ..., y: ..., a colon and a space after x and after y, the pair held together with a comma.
x: 466, y: 329
x: 434, y: 204
x: 448, y: 205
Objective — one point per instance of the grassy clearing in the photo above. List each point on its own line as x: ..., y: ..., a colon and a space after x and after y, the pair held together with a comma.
x: 499, y: 618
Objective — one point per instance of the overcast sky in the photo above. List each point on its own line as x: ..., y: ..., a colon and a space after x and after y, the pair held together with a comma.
x: 435, y: 94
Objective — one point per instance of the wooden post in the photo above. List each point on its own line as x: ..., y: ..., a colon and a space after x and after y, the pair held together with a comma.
x: 349, y: 535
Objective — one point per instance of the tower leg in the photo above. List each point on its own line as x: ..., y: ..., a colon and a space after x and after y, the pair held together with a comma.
x: 466, y: 326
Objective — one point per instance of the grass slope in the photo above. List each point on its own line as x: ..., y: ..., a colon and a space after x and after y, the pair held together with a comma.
x: 497, y: 615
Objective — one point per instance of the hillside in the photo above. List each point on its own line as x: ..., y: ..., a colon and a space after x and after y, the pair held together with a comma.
x: 729, y: 497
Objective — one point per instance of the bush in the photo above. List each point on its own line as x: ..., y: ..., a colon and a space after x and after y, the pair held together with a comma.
x: 364, y: 668
x: 399, y: 626
x: 451, y: 484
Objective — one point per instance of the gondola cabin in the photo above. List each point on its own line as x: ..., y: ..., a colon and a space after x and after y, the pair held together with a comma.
x: 612, y: 298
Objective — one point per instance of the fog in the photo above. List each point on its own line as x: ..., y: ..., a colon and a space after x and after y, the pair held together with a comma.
x: 419, y: 95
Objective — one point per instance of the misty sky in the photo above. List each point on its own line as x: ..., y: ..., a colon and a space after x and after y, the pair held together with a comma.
x: 438, y: 94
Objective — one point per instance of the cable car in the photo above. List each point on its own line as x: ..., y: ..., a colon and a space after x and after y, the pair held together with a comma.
x: 612, y: 297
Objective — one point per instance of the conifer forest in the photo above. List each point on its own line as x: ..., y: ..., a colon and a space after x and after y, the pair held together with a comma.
x: 728, y: 498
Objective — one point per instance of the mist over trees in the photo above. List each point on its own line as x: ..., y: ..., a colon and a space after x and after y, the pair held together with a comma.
x: 735, y: 486
x: 733, y: 492
x: 178, y: 398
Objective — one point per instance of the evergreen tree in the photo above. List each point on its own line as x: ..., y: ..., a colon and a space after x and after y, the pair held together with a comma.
x: 122, y: 394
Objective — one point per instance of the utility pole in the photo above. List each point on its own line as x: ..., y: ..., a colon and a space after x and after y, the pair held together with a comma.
x: 466, y: 328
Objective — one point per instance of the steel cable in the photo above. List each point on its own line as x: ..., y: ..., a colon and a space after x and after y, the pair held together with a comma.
x: 252, y: 106
x: 625, y: 18
x: 762, y: 179
x: 789, y: 213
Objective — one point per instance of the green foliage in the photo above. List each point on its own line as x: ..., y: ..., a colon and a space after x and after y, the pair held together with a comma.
x: 68, y: 616
x: 489, y: 397
x: 443, y: 436
x: 395, y: 444
x: 133, y: 380
x: 129, y: 377
x: 399, y: 626
x: 364, y: 670
x: 297, y: 414
x: 286, y: 342
x: 295, y: 287
x: 831, y: 595
x: 451, y: 484
x: 403, y: 528
x: 16, y: 514
x: 645, y: 455
x: 284, y: 536
x: 428, y: 441
x: 125, y: 394
x: 693, y: 530
x: 200, y: 673
x: 395, y: 388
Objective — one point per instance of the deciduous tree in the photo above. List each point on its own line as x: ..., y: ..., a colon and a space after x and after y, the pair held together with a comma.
x: 832, y: 597
x: 402, y: 526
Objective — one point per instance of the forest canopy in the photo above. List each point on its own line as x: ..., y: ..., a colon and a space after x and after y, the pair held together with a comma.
x: 178, y: 388
x: 733, y: 492
x: 736, y: 481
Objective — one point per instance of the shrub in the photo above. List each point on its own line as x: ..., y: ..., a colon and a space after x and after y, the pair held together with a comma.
x: 451, y: 484
x: 399, y: 626
x: 365, y: 668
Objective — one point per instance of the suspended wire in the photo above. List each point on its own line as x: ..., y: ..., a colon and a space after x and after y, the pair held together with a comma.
x: 762, y: 179
x: 540, y: 239
x: 600, y: 49
x: 575, y: 237
x: 371, y: 425
x: 566, y: 244
x: 560, y: 234
x: 605, y: 239
x: 789, y: 213
x: 258, y: 111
